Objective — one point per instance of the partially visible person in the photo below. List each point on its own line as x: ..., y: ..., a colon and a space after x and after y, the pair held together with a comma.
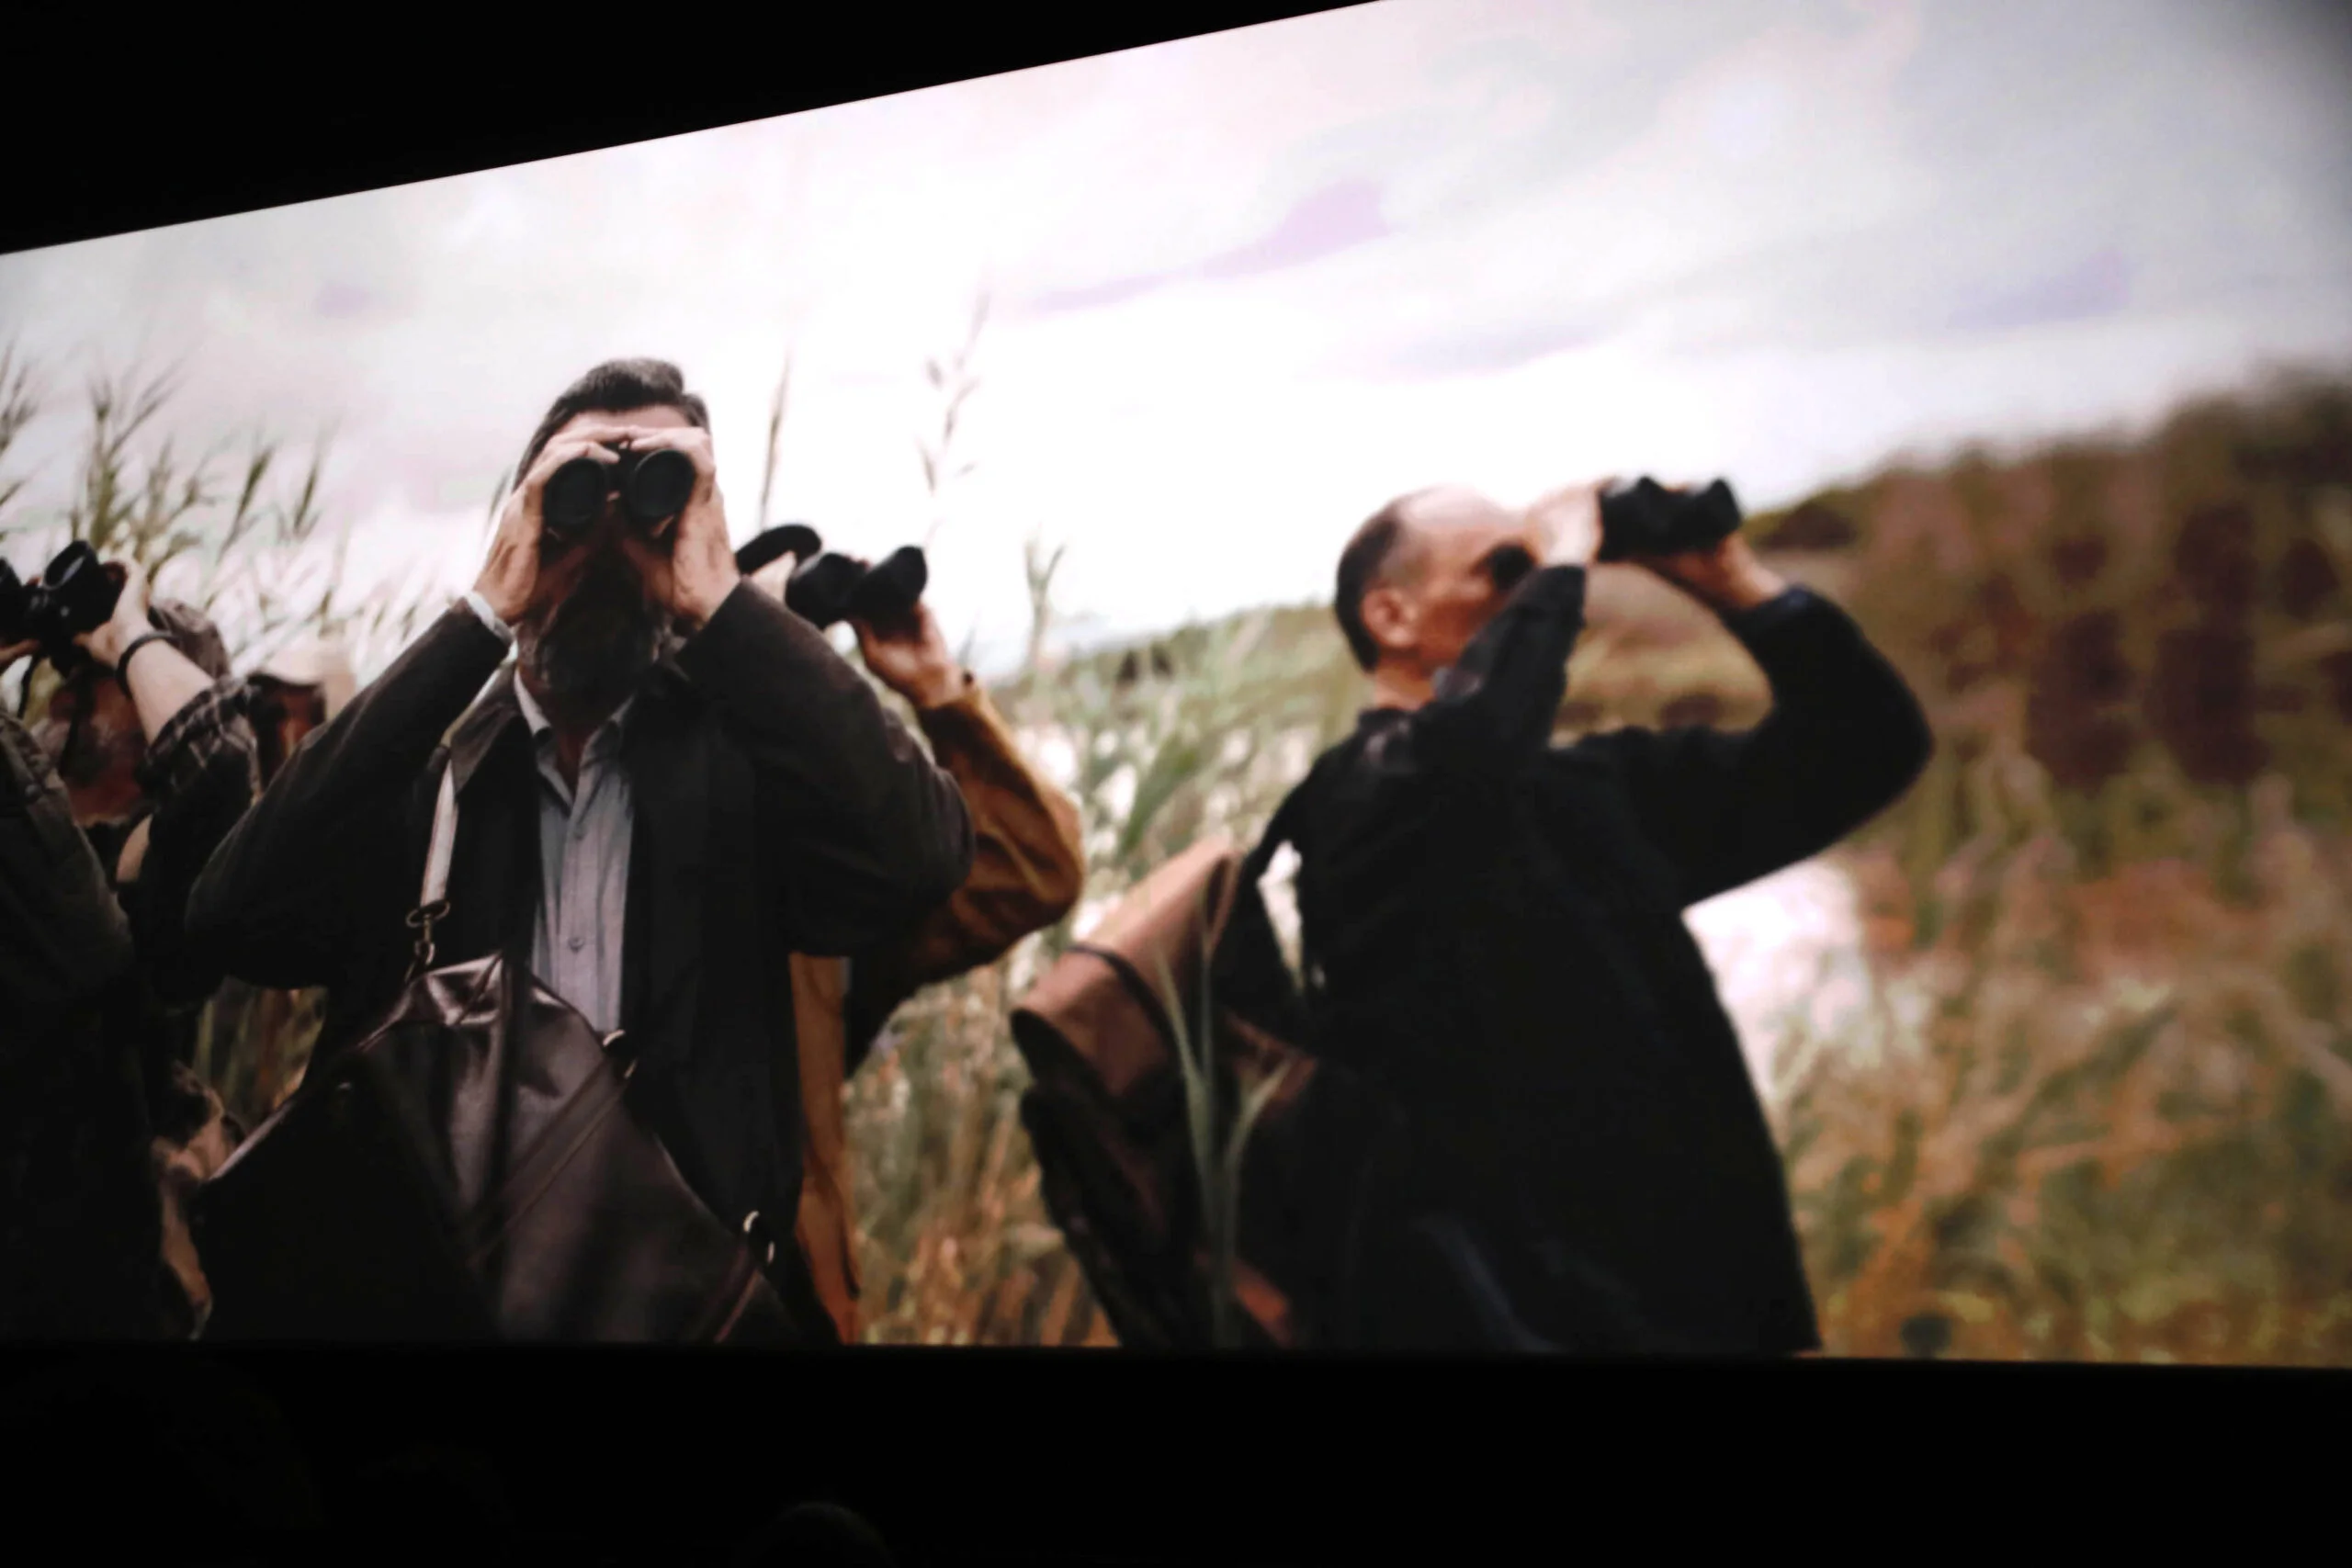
x: 80, y: 1237
x: 1028, y: 867
x: 255, y: 1041
x: 1494, y: 935
x: 295, y: 691
x: 145, y: 755
x: 159, y: 761
x: 167, y: 1459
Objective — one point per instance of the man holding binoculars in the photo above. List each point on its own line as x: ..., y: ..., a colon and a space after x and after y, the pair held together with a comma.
x: 1494, y: 934
x: 677, y: 782
x: 108, y: 809
x: 1028, y: 868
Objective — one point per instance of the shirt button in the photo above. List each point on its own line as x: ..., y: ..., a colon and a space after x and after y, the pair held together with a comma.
x: 577, y: 943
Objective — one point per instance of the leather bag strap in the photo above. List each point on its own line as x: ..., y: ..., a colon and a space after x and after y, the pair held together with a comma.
x: 432, y: 899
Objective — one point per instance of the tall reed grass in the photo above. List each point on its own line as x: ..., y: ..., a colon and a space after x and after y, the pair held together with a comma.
x: 241, y: 534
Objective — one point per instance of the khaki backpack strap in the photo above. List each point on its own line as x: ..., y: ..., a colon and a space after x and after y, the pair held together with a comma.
x: 432, y: 900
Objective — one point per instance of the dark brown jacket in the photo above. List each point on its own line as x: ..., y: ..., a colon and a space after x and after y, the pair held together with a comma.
x: 778, y: 809
x: 1027, y: 870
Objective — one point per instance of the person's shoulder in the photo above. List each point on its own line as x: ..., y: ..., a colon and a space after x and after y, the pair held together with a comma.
x: 468, y: 743
x: 1606, y: 754
x: 1376, y: 729
x: 669, y: 688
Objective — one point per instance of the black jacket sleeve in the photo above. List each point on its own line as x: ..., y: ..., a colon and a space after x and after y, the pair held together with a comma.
x: 862, y: 832
x: 202, y: 772
x: 1845, y: 739
x: 1495, y: 710
x: 63, y: 939
x: 324, y: 847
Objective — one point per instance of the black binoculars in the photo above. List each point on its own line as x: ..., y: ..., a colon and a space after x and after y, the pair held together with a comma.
x: 1647, y: 519
x: 75, y: 594
x: 826, y: 589
x: 653, y: 485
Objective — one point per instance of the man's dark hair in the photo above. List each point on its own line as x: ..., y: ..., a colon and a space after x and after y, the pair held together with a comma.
x: 1369, y: 559
x: 617, y: 386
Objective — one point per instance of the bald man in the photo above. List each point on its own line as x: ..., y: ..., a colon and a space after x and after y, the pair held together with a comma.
x: 1494, y: 935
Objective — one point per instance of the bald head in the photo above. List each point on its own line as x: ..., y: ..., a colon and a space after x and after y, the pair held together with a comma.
x: 1437, y: 545
x: 1442, y: 509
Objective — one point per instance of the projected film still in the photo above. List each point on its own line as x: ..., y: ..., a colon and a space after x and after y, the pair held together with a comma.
x: 1457, y: 676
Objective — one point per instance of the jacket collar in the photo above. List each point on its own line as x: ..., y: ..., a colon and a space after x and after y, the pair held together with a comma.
x: 499, y: 711
x: 478, y: 733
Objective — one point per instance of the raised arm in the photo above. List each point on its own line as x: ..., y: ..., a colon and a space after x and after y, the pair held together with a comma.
x: 862, y: 831
x: 1495, y: 709
x: 1845, y: 739
x: 858, y: 828
x: 1028, y: 866
x: 200, y: 771
x: 323, y: 846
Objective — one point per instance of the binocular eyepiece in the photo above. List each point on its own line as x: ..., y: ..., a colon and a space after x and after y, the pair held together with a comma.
x: 75, y: 595
x: 826, y: 589
x: 653, y: 486
x: 1647, y: 519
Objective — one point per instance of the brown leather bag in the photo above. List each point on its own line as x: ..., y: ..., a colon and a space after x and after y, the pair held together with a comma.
x: 473, y: 1170
x: 1107, y: 1113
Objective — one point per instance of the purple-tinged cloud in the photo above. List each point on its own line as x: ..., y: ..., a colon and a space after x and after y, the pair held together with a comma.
x: 1489, y: 350
x: 1336, y: 219
x: 1118, y: 291
x: 2100, y: 285
x: 338, y: 300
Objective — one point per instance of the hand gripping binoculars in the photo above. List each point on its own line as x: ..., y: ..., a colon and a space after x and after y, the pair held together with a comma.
x: 653, y: 486
x: 826, y: 589
x: 75, y: 594
x: 1647, y: 519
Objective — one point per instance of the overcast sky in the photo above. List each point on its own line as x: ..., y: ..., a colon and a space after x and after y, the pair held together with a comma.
x: 1248, y: 287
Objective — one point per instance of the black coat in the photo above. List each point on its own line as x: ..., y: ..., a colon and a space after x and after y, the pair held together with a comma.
x: 1498, y: 926
x: 778, y: 809
x: 81, y: 1231
x: 99, y: 996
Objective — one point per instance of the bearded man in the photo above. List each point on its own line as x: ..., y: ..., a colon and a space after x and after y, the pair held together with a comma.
x: 676, y: 781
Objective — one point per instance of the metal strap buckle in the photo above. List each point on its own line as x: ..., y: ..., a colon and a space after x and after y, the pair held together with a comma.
x: 421, y: 920
x: 757, y: 1234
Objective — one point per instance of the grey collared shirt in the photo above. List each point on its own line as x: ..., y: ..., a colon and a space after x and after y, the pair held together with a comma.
x: 584, y: 837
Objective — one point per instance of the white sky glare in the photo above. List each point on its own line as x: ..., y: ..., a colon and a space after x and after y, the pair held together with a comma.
x: 1247, y: 287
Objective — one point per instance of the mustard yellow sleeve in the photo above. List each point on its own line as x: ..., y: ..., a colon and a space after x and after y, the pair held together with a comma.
x: 1028, y: 865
